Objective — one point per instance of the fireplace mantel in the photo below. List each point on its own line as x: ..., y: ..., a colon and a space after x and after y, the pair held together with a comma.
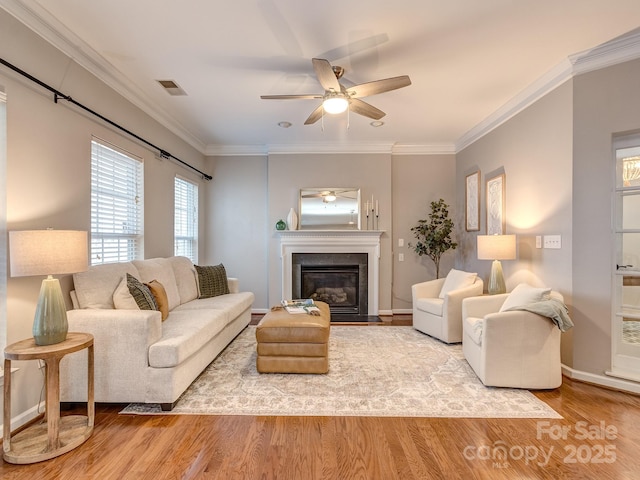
x: 333, y: 241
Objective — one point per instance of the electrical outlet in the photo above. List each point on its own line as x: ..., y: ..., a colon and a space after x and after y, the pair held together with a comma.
x: 401, y: 257
x: 552, y: 241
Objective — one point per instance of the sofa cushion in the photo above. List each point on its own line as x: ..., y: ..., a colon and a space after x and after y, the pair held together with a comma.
x: 231, y: 305
x: 95, y: 287
x: 160, y: 296
x: 183, y: 334
x: 141, y: 294
x: 524, y: 294
x: 122, y: 298
x: 457, y: 279
x: 160, y: 269
x: 473, y: 329
x: 186, y: 278
x: 212, y: 281
x: 430, y: 305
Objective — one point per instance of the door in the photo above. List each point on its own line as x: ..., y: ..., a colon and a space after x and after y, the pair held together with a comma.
x: 625, y: 332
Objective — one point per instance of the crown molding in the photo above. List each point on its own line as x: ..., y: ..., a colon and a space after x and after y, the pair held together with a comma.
x: 299, y: 149
x: 235, y: 150
x: 37, y: 19
x: 407, y: 149
x: 618, y: 50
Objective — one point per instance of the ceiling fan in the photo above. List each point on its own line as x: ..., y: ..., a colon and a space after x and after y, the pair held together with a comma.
x: 329, y: 195
x: 337, y: 98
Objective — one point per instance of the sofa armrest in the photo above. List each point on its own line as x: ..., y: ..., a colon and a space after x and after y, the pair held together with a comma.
x: 234, y: 285
x: 121, y: 344
x: 428, y: 289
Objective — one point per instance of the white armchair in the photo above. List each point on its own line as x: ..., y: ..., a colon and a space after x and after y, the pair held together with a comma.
x: 513, y: 348
x: 437, y: 304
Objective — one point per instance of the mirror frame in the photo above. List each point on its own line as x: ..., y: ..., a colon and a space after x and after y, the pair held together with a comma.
x: 311, y: 198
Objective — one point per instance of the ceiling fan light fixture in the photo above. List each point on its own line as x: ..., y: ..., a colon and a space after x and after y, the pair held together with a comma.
x: 331, y: 197
x: 335, y: 103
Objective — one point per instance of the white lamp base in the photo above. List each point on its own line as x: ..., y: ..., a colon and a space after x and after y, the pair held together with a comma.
x: 496, y: 280
x: 50, y: 324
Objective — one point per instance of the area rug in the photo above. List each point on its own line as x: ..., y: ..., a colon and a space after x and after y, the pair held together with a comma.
x: 374, y: 371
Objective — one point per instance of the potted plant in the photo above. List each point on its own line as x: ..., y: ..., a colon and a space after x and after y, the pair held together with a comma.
x: 434, y: 234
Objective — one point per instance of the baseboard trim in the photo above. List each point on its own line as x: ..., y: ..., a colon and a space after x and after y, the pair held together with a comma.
x: 26, y: 416
x: 403, y: 311
x: 601, y: 380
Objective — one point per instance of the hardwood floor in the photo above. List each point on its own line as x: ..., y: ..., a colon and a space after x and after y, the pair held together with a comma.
x: 598, y: 438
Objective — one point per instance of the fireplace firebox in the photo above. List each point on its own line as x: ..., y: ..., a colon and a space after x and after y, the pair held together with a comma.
x: 338, y: 279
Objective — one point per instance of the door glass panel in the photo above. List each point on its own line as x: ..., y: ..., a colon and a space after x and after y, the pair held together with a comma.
x: 630, y: 255
x: 628, y: 167
x: 630, y: 211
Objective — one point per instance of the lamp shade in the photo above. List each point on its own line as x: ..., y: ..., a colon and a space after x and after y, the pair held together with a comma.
x: 47, y: 252
x: 335, y: 104
x: 496, y: 247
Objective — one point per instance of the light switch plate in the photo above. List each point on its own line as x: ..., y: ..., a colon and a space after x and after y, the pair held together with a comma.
x: 552, y: 241
x: 538, y: 241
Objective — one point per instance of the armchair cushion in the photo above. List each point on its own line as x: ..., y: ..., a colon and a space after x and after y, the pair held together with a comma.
x: 524, y: 294
x: 457, y: 279
x: 431, y: 305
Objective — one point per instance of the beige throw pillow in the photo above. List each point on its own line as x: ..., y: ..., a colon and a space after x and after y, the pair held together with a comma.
x: 122, y: 298
x: 457, y: 279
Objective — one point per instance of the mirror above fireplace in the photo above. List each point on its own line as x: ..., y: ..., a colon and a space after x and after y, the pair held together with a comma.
x: 329, y: 208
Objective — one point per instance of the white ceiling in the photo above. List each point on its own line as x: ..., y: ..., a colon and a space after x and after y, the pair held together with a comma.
x: 468, y: 61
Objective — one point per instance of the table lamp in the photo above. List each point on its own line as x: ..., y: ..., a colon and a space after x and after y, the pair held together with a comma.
x: 496, y: 248
x: 48, y: 252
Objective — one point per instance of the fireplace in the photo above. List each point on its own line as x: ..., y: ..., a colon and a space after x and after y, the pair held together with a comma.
x: 339, y: 279
x: 294, y: 242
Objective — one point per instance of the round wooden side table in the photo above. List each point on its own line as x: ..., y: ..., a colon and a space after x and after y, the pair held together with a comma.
x: 44, y: 440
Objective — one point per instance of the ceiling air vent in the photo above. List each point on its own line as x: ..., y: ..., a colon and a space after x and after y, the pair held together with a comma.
x: 172, y: 87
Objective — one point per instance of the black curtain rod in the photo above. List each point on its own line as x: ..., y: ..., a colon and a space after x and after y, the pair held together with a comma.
x: 57, y: 95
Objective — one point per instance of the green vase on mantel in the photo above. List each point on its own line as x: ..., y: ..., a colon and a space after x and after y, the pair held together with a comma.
x: 281, y: 225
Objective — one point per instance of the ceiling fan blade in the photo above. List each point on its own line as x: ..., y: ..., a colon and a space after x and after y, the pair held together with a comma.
x: 363, y: 108
x: 379, y: 86
x: 289, y: 97
x: 315, y: 116
x: 325, y: 74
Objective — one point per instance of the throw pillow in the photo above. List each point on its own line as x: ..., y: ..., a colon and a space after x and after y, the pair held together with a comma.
x: 122, y: 298
x: 524, y: 294
x: 141, y: 294
x: 212, y: 281
x: 457, y: 279
x: 160, y: 295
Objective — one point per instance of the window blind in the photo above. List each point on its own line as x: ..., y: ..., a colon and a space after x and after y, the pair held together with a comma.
x: 116, y: 205
x: 186, y: 219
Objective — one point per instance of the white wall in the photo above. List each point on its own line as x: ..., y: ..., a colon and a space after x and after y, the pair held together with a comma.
x: 534, y: 150
x: 606, y: 104
x: 49, y: 167
x: 248, y: 195
x: 236, y: 226
x: 417, y: 181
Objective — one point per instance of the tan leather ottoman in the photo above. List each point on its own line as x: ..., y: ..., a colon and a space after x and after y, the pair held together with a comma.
x: 294, y: 343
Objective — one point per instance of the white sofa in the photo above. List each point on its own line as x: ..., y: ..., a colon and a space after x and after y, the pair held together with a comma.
x: 437, y: 304
x: 139, y: 357
x: 513, y: 348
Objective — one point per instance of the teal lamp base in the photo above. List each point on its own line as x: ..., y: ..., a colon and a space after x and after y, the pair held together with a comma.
x: 50, y: 324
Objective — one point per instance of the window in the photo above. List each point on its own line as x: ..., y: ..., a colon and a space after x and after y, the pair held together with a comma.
x: 186, y: 219
x: 116, y: 205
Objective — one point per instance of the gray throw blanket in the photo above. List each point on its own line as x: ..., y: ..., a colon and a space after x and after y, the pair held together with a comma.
x: 551, y: 308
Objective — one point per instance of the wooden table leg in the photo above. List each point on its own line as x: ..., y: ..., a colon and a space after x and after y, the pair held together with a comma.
x: 6, y: 426
x: 53, y: 403
x: 91, y: 409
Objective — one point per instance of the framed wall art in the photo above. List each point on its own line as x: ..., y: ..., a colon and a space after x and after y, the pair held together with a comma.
x: 472, y: 202
x: 496, y: 220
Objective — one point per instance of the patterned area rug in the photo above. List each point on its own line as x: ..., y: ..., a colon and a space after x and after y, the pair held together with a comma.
x: 374, y: 371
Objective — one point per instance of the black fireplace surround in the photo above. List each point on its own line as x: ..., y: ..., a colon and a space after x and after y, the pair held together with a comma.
x: 339, y: 279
